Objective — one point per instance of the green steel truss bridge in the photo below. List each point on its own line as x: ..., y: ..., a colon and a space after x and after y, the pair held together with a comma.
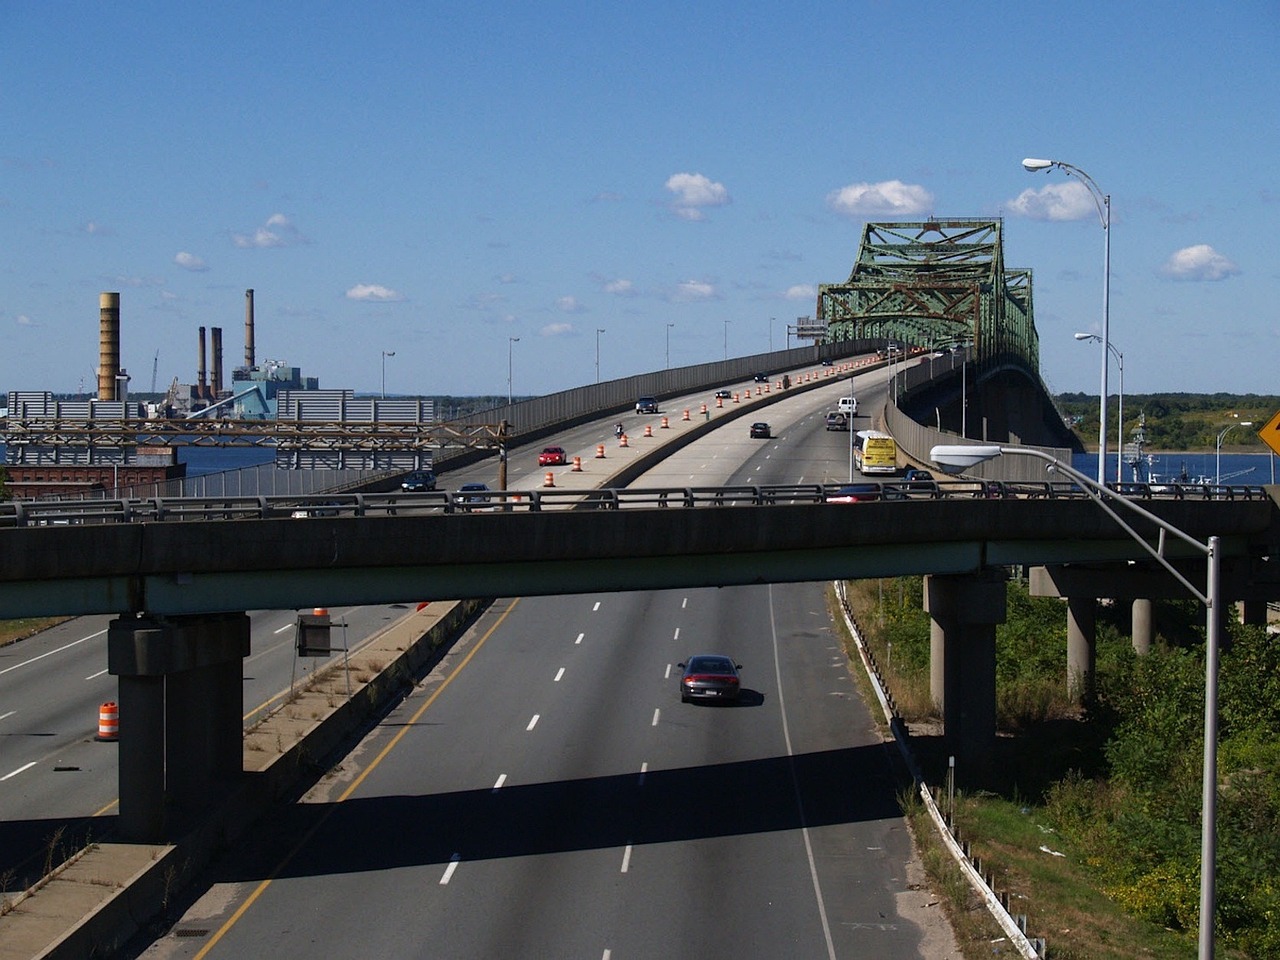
x: 937, y: 283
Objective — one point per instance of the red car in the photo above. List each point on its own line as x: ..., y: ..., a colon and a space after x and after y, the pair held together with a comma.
x: 552, y: 457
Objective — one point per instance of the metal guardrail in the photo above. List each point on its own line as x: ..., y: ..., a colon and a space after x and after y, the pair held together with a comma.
x: 32, y: 513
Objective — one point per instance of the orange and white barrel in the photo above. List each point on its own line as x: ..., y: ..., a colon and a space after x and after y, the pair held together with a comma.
x: 108, y: 722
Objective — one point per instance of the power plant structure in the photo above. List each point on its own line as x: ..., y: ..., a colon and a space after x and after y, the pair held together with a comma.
x: 58, y: 447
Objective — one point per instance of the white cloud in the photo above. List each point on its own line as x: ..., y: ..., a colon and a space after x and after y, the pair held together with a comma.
x: 620, y: 287
x: 24, y: 321
x: 1199, y: 262
x: 189, y: 261
x: 569, y: 305
x: 801, y: 291
x: 278, y: 231
x: 692, y: 192
x: 692, y: 291
x: 887, y: 198
x: 1069, y: 200
x: 374, y: 293
x: 556, y: 330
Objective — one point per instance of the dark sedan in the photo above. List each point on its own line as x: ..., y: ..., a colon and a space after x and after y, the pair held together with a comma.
x: 760, y: 431
x: 709, y: 677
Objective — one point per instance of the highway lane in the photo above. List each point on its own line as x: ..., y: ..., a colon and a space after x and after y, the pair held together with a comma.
x: 546, y: 794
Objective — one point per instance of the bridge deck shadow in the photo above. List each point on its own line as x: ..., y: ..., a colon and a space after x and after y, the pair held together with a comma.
x: 362, y: 835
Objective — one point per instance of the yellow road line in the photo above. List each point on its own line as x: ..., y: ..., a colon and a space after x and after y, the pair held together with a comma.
x: 261, y: 888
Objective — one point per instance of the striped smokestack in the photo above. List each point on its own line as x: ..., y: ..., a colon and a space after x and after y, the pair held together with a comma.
x: 248, y: 329
x: 108, y: 344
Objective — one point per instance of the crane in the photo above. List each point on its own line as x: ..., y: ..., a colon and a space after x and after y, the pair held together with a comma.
x: 155, y: 369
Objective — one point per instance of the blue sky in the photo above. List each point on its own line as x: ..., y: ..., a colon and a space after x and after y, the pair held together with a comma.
x: 434, y: 179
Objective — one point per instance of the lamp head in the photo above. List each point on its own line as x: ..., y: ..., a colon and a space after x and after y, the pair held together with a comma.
x: 1087, y: 336
x: 1032, y: 165
x: 954, y: 458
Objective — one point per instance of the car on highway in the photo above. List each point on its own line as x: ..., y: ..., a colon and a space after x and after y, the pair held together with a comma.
x: 552, y: 457
x: 828, y: 363
x: 709, y: 676
x: 837, y: 421
x: 761, y: 378
x: 760, y: 431
x: 323, y: 509
x: 418, y: 481
x: 723, y: 394
x: 647, y: 405
x: 473, y: 494
x: 856, y: 493
x: 848, y: 405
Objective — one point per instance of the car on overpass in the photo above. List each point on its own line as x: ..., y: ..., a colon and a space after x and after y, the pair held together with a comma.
x: 552, y: 457
x: 723, y: 395
x: 709, y: 677
x: 419, y: 481
x: 647, y: 405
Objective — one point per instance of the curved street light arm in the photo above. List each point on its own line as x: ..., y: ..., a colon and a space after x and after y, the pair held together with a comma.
x: 1101, y: 200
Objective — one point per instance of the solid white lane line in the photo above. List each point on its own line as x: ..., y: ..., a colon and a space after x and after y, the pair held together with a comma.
x: 657, y: 712
x: 644, y: 772
x: 532, y: 723
x: 501, y: 780
x: 559, y: 674
x: 287, y: 626
x: 448, y: 871
x: 607, y: 954
x: 795, y: 784
x: 626, y: 858
x: 6, y: 716
x: 95, y: 676
x: 50, y: 653
x: 580, y: 636
x: 14, y: 773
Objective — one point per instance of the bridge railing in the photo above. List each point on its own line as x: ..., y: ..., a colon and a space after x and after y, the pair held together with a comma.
x: 28, y: 513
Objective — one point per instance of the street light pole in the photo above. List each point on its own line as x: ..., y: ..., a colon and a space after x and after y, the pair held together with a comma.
x: 1103, y: 203
x: 726, y: 339
x: 511, y: 342
x: 599, y: 330
x: 1120, y: 413
x: 669, y: 326
x: 385, y: 354
x: 1217, y: 456
x: 954, y: 459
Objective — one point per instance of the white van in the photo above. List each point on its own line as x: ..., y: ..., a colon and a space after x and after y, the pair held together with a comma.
x: 848, y: 405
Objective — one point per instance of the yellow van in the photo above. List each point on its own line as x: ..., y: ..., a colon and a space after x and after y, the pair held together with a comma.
x: 875, y: 453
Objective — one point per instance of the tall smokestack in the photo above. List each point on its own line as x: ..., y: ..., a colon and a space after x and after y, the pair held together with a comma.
x: 108, y: 344
x: 216, y: 343
x: 202, y: 391
x: 248, y: 329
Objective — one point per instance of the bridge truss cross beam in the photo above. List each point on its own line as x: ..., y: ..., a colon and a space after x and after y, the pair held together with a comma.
x: 933, y: 283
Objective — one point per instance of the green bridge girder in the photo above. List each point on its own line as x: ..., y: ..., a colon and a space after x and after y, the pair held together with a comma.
x: 936, y: 283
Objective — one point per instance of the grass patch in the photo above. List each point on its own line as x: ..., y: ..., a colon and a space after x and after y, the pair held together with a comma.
x: 14, y: 630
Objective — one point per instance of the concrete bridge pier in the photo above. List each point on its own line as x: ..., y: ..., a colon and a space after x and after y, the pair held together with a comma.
x: 181, y: 701
x: 1142, y: 628
x: 1253, y: 613
x: 962, y: 673
x: 1082, y: 647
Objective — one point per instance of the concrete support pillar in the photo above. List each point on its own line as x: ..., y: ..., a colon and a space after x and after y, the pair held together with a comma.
x: 965, y: 611
x: 181, y: 690
x: 141, y: 763
x: 1142, y: 626
x: 1082, y: 647
x: 1253, y: 613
